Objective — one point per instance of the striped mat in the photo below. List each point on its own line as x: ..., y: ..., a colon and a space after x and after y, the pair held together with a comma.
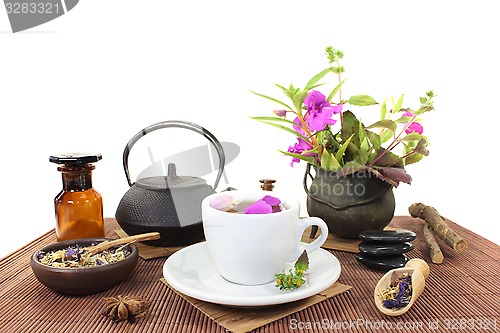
x: 461, y: 295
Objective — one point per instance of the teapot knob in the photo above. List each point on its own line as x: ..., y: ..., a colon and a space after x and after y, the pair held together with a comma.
x: 171, y: 171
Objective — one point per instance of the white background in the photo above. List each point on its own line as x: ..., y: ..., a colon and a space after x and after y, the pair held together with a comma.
x: 91, y: 79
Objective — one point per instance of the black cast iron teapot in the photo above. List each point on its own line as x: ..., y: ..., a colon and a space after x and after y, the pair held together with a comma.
x: 170, y: 205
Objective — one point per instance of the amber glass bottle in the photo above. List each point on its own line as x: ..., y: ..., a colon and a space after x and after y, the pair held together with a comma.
x: 78, y: 206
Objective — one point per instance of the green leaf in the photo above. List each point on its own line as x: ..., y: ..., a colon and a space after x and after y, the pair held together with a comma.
x: 350, y: 168
x: 334, y: 55
x: 273, y: 99
x: 361, y: 100
x: 329, y: 162
x: 281, y: 87
x: 393, y: 175
x: 317, y: 85
x: 383, y: 109
x: 314, y: 150
x: 340, y: 152
x: 335, y: 90
x: 351, y: 153
x: 361, y: 132
x: 294, y: 279
x: 423, y: 109
x: 387, y: 158
x: 350, y: 127
x: 338, y: 69
x: 364, y: 151
x: 379, y: 175
x: 421, y: 147
x: 403, y: 120
x: 386, y: 135
x: 308, y: 159
x: 321, y: 137
x: 398, y: 105
x: 331, y: 144
x: 276, y: 119
x: 413, y: 158
x: 316, y: 78
x: 287, y: 129
x: 413, y: 136
x: 298, y: 100
x: 385, y: 123
x: 287, y: 92
x: 302, y: 264
x: 374, y: 139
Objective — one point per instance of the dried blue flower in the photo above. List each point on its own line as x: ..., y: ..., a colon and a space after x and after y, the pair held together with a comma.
x: 40, y: 255
x: 72, y: 253
x: 398, y: 294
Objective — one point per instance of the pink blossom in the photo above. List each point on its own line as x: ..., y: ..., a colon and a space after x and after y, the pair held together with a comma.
x: 270, y: 200
x: 258, y: 207
x: 415, y: 127
x: 299, y: 148
x: 280, y: 113
x: 319, y: 111
x: 298, y: 126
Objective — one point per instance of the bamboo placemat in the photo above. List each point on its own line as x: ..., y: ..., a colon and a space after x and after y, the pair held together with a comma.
x: 241, y: 320
x: 464, y: 290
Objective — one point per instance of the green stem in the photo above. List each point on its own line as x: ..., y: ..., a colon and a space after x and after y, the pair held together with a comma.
x: 410, y: 153
x: 340, y: 94
x: 395, y: 142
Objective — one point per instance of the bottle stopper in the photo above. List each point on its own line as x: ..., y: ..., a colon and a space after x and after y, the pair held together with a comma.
x: 267, y: 184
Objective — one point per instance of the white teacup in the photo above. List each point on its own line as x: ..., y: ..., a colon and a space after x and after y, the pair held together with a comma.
x: 250, y: 249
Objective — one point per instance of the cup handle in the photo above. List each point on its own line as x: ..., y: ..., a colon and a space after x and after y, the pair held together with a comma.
x: 316, y: 244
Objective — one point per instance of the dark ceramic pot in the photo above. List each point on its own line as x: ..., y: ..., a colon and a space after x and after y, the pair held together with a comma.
x: 349, y: 204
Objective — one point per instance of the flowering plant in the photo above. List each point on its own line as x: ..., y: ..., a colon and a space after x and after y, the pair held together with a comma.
x: 333, y: 138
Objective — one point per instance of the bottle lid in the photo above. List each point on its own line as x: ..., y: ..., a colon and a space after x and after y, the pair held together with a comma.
x: 75, y: 159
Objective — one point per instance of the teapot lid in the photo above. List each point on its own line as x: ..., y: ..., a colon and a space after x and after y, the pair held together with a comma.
x: 171, y: 181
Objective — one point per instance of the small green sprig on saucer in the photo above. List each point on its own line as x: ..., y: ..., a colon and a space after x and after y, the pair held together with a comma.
x: 295, y: 279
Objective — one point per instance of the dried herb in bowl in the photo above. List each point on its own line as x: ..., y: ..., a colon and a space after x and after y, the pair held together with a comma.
x: 78, y: 257
x: 399, y: 293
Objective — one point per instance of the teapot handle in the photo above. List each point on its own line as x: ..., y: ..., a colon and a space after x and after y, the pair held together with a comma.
x: 176, y: 123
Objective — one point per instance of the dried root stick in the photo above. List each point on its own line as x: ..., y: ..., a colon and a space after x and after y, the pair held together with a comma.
x: 434, y: 250
x: 438, y: 224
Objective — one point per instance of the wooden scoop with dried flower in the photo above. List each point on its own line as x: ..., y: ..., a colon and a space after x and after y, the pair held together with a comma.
x: 399, y: 288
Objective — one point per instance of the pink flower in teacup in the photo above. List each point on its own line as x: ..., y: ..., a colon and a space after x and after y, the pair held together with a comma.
x: 224, y: 203
x: 268, y: 204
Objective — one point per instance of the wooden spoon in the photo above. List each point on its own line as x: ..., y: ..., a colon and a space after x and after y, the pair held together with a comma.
x: 419, y: 271
x: 131, y: 239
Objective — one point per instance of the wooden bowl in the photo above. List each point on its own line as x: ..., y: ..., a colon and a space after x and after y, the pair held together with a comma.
x: 82, y: 281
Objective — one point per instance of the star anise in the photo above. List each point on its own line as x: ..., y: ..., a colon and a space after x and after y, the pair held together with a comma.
x: 125, y: 307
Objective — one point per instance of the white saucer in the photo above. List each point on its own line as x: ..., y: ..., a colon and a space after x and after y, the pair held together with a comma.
x: 192, y: 272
